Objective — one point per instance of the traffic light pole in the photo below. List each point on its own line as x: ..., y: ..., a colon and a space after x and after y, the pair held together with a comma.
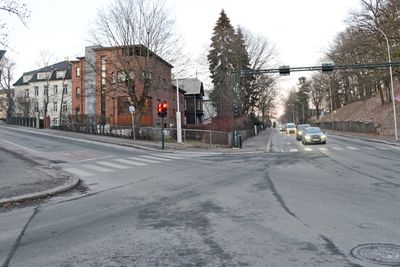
x: 162, y: 133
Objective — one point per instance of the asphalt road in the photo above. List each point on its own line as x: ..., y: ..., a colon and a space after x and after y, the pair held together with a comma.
x: 295, y: 206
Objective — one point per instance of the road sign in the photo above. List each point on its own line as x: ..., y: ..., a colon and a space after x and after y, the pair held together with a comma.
x: 131, y: 108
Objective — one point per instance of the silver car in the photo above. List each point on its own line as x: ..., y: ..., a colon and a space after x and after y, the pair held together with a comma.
x: 300, y: 130
x: 313, y: 135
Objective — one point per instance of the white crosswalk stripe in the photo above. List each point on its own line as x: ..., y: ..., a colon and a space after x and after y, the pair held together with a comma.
x: 176, y: 157
x: 323, y: 148
x: 307, y: 149
x: 294, y: 150
x: 130, y: 162
x: 154, y: 158
x: 337, y: 148
x: 96, y: 168
x: 352, y: 148
x: 144, y: 160
x: 113, y: 165
x: 383, y: 148
x: 78, y: 172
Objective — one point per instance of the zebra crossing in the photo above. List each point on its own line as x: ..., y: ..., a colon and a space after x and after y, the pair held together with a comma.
x: 116, y: 164
x: 326, y: 148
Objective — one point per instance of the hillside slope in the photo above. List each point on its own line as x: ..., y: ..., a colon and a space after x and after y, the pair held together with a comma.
x: 370, y: 110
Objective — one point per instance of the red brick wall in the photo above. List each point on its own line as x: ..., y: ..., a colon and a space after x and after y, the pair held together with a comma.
x: 78, y: 82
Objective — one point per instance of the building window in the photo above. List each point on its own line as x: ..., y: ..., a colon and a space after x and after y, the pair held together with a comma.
x: 26, y: 93
x: 103, y: 70
x: 26, y: 78
x: 36, y: 107
x: 60, y: 74
x: 78, y: 71
x: 45, y: 90
x: 65, y: 107
x: 43, y: 75
x: 55, y: 106
x: 65, y: 89
x: 36, y: 90
x: 55, y: 89
x: 78, y: 92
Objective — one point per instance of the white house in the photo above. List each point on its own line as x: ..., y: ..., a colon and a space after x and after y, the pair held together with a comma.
x: 45, y: 92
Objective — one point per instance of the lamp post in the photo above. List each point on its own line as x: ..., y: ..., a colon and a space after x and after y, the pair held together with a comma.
x: 391, y: 86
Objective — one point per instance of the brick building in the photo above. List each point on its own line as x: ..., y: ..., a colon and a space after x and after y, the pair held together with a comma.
x: 100, y: 86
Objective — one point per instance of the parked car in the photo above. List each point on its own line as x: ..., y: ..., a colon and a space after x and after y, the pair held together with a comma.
x: 290, y: 128
x: 313, y: 135
x: 300, y: 130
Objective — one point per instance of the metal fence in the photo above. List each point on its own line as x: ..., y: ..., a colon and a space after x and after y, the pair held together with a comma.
x: 194, y: 137
x: 352, y: 126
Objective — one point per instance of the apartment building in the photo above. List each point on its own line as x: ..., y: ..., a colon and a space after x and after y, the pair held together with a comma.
x: 45, y: 92
x: 100, y: 89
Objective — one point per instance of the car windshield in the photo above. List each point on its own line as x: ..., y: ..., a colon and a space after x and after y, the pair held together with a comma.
x: 313, y: 130
x: 290, y: 126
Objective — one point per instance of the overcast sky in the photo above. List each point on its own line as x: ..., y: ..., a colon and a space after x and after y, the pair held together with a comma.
x: 301, y: 30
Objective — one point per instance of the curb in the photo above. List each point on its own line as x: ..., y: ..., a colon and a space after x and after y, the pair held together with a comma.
x: 49, y: 192
x: 268, y: 146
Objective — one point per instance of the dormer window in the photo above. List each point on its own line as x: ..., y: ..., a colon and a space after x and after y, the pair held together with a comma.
x: 43, y: 75
x: 27, y: 78
x: 60, y: 74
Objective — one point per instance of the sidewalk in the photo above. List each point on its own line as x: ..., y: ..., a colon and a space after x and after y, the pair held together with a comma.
x: 367, y: 137
x: 21, y: 179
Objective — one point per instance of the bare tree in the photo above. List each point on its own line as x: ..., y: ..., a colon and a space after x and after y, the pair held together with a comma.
x: 318, y: 91
x: 143, y: 32
x: 6, y: 78
x: 11, y: 7
x: 261, y: 53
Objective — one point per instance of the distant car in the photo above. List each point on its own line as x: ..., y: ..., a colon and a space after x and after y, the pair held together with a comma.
x: 300, y: 130
x: 313, y: 135
x: 290, y: 128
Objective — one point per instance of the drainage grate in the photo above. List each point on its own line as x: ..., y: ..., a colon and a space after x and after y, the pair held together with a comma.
x: 383, y: 254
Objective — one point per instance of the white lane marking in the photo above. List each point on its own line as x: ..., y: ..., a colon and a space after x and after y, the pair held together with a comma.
x: 337, y: 148
x: 144, y: 160
x: 396, y: 147
x: 97, y: 158
x: 23, y: 147
x: 294, y: 150
x: 113, y: 165
x: 155, y: 158
x: 96, y: 168
x: 78, y: 172
x: 130, y: 162
x: 288, y: 143
x: 323, y: 148
x: 371, y: 148
x: 352, y: 148
x: 307, y: 149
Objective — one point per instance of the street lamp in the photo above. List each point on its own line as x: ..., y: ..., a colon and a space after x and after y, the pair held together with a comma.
x: 391, y: 86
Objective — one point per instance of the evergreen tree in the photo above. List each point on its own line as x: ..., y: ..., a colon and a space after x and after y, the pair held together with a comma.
x: 244, y: 91
x: 221, y: 59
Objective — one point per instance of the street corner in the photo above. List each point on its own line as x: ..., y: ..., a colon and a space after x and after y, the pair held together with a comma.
x: 29, y: 180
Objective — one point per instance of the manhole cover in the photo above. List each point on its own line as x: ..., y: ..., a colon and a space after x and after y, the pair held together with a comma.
x: 383, y: 254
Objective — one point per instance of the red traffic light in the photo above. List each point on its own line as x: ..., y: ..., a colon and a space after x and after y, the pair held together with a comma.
x: 162, y: 109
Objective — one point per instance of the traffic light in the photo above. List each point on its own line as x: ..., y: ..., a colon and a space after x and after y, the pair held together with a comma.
x: 235, y: 110
x: 162, y: 109
x: 284, y: 70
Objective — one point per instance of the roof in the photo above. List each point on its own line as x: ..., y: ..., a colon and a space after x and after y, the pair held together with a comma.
x: 99, y: 48
x: 63, y: 65
x: 192, y: 86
